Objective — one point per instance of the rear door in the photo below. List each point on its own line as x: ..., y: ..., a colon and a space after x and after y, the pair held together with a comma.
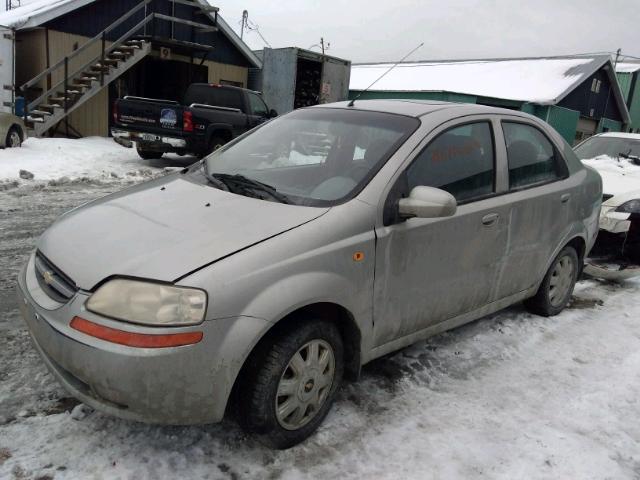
x: 430, y: 270
x: 539, y: 199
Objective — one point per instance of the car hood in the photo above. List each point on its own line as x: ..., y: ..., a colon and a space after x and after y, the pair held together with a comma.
x: 618, y: 176
x: 162, y: 230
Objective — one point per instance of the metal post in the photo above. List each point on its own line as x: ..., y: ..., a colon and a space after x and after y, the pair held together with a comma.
x: 66, y: 83
x: 104, y: 43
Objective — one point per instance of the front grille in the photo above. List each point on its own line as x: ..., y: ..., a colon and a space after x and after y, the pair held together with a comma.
x: 53, y: 281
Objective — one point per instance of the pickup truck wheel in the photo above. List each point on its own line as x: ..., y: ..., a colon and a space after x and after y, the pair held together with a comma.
x: 215, y: 143
x: 148, y: 154
x: 289, y: 393
x: 557, y: 286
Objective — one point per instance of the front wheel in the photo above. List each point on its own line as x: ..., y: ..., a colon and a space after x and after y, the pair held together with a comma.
x: 293, y: 385
x: 557, y: 286
x: 14, y: 139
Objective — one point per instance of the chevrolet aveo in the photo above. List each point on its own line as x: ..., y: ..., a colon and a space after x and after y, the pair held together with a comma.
x: 257, y: 279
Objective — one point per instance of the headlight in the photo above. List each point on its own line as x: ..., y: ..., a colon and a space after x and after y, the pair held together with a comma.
x: 149, y: 303
x: 632, y: 206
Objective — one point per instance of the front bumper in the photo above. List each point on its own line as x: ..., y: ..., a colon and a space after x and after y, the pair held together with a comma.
x: 177, y: 385
x: 614, y: 222
x: 151, y: 141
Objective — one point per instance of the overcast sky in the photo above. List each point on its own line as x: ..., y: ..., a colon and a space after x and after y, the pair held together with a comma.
x: 375, y: 31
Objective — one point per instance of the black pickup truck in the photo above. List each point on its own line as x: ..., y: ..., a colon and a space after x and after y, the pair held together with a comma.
x: 209, y: 117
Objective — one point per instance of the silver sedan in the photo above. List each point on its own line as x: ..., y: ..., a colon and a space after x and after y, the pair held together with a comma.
x: 255, y: 280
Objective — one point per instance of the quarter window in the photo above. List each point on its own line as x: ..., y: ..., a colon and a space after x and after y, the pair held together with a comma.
x: 460, y: 161
x: 531, y: 156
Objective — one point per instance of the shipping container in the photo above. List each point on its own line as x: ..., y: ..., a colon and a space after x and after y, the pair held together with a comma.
x: 293, y: 78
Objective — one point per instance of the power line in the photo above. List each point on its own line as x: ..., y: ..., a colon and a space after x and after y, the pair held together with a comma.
x: 249, y: 26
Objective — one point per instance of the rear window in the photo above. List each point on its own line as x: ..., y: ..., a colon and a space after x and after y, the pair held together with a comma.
x: 215, y: 96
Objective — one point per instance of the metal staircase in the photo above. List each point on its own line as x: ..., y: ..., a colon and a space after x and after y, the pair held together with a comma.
x: 77, y: 87
x: 74, y: 87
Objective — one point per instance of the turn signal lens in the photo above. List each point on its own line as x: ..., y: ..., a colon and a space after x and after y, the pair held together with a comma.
x: 130, y: 339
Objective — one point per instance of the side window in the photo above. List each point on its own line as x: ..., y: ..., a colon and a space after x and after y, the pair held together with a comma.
x: 224, y: 97
x: 258, y: 107
x: 460, y: 161
x: 531, y: 156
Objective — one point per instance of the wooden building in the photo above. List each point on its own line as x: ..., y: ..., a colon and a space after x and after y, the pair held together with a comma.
x: 578, y: 95
x: 73, y: 58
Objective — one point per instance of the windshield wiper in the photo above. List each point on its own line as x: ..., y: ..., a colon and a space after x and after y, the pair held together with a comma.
x: 242, y: 183
x: 634, y: 158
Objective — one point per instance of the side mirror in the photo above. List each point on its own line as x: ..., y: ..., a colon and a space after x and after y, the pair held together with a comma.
x: 272, y: 113
x: 427, y: 202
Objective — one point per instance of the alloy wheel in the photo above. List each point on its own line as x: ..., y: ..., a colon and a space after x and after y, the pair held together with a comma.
x: 561, y: 280
x: 305, y: 384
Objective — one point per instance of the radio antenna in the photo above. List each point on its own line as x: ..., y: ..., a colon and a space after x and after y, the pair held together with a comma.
x: 350, y: 104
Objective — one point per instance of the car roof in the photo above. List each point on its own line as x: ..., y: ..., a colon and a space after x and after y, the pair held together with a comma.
x: 419, y: 108
x: 633, y: 136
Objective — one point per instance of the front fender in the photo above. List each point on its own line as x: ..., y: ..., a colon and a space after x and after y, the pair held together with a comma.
x: 297, y: 291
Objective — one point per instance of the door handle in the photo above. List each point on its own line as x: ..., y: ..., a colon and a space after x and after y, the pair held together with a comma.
x: 565, y: 197
x: 490, y: 219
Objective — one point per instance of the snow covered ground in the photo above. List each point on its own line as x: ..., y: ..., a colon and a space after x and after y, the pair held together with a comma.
x: 511, y: 396
x: 61, y: 160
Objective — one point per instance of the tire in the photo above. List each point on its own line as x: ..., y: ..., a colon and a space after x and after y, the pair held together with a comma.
x: 306, y: 389
x: 215, y: 143
x: 148, y: 154
x: 557, y: 286
x: 14, y: 138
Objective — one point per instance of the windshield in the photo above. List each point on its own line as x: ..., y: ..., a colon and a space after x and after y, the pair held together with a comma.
x: 315, y: 157
x: 610, y: 146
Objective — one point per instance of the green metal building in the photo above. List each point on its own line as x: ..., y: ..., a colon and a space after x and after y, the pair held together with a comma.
x: 629, y: 79
x: 578, y: 95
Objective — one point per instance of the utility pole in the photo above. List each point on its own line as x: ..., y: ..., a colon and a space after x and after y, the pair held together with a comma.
x: 617, y: 57
x: 245, y: 18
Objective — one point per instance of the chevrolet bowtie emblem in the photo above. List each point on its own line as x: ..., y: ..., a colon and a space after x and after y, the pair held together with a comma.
x: 47, y: 276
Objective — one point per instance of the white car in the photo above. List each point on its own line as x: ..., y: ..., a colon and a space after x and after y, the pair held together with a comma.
x: 616, y: 156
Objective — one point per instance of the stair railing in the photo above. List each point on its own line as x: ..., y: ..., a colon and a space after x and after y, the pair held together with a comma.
x: 104, y: 53
x: 102, y: 36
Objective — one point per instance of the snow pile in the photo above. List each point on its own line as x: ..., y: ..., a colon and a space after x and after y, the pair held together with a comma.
x: 533, y: 80
x: 61, y: 160
x: 619, y: 175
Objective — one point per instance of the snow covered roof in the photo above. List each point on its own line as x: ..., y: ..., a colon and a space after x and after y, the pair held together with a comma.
x: 624, y: 67
x: 33, y: 13
x: 541, y: 80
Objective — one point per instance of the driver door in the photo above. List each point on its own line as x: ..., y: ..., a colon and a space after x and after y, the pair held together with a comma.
x: 430, y: 270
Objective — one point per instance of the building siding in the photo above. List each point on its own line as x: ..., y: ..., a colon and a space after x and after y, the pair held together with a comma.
x: 592, y: 104
x: 564, y: 120
x: 633, y: 100
x: 95, y: 17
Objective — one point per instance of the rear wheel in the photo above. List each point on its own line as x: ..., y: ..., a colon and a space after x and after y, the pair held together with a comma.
x: 214, y: 144
x: 556, y: 288
x: 148, y: 154
x: 14, y: 139
x: 294, y: 382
